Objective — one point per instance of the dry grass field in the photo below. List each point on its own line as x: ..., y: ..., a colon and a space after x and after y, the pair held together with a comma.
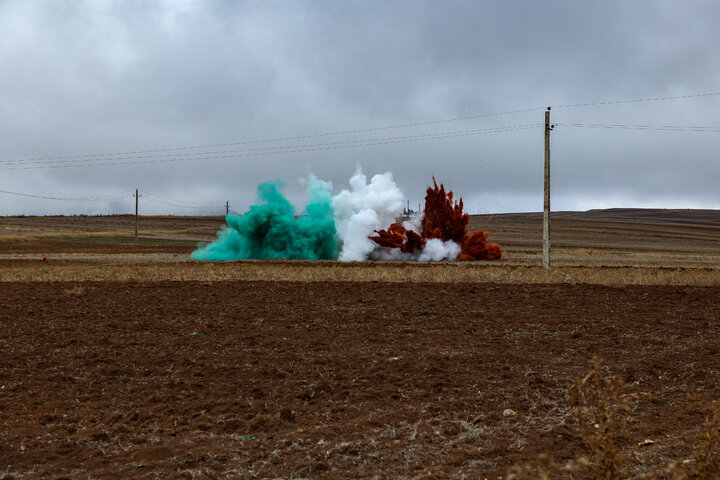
x: 603, y: 247
x: 125, y: 360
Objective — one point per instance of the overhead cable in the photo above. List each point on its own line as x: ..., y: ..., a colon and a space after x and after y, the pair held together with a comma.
x: 97, y: 198
x: 680, y: 128
x: 279, y: 139
x: 95, y: 156
x: 638, y: 100
x: 280, y: 150
x: 285, y: 147
x: 168, y: 199
x: 206, y: 207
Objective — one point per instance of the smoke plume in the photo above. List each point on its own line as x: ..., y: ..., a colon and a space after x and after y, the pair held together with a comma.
x: 362, y: 209
x: 347, y: 226
x: 443, y: 236
x: 271, y: 231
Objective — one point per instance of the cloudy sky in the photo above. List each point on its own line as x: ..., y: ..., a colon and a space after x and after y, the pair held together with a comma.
x: 100, y: 77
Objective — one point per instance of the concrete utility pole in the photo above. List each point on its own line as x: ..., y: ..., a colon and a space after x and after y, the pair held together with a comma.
x: 136, y: 215
x: 227, y: 208
x: 546, y: 196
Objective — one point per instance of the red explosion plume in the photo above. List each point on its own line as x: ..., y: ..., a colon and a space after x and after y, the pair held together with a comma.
x: 444, y: 219
x: 475, y: 247
x: 397, y: 236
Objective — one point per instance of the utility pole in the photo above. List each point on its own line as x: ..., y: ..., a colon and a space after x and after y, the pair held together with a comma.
x: 227, y: 208
x: 546, y: 196
x: 136, y: 215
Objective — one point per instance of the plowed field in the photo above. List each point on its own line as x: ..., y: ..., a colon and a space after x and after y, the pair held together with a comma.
x: 129, y: 360
x: 338, y: 380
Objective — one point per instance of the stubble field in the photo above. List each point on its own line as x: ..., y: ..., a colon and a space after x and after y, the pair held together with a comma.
x: 130, y: 361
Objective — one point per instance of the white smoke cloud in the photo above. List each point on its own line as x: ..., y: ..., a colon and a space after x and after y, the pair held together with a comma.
x: 367, y: 207
x: 364, y: 208
x: 435, y: 250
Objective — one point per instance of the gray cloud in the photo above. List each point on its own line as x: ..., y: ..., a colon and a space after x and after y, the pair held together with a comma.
x: 97, y: 77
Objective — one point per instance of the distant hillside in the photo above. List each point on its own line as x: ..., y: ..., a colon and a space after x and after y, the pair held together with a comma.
x: 645, y: 215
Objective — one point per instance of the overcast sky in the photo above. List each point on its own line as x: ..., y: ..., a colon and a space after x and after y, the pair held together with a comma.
x: 102, y: 77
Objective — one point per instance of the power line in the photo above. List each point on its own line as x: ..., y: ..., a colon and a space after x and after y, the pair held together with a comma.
x: 213, y: 207
x: 191, y: 207
x: 279, y: 139
x: 97, y: 198
x: 270, y: 149
x: 285, y: 150
x: 355, y: 131
x: 639, y: 100
x: 110, y: 196
x: 173, y: 200
x: 680, y: 128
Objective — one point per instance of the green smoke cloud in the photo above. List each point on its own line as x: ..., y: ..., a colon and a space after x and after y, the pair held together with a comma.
x: 270, y: 231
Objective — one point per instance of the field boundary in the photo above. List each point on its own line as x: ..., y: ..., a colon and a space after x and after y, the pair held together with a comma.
x: 327, y: 271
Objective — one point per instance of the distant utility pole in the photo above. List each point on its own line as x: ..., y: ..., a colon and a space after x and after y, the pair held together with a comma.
x: 136, y: 215
x: 227, y: 208
x: 546, y: 196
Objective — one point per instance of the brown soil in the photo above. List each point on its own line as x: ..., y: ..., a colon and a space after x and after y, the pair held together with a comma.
x: 84, y: 224
x: 617, y: 237
x: 48, y: 247
x: 336, y: 380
